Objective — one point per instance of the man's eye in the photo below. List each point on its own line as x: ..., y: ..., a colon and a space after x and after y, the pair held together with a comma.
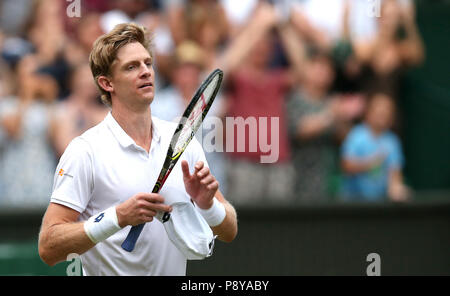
x: 131, y: 67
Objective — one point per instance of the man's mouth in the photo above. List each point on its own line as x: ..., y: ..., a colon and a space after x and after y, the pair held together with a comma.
x: 148, y: 84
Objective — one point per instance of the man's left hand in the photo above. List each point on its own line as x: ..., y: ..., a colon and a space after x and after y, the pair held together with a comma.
x: 201, y: 185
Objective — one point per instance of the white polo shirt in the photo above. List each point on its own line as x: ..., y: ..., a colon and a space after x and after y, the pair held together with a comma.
x: 104, y: 167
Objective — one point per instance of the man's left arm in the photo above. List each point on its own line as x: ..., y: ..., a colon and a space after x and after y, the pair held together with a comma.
x: 227, y: 230
x: 203, y: 188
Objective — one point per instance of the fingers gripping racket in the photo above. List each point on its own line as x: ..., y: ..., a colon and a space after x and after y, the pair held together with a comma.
x: 187, y: 127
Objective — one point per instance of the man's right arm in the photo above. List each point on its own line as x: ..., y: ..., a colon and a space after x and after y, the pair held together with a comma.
x: 62, y: 235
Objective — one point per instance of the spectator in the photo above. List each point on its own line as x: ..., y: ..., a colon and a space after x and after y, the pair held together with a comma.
x: 45, y: 31
x: 80, y: 111
x: 372, y: 158
x: 256, y: 95
x: 396, y: 46
x: 86, y: 31
x: 317, y: 120
x: 27, y: 160
x: 203, y: 21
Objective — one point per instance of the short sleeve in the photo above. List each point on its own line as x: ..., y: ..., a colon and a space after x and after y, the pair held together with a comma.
x: 73, y: 180
x: 395, y: 157
x: 350, y: 145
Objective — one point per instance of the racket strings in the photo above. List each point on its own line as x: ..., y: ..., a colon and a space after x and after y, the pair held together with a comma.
x: 195, y: 118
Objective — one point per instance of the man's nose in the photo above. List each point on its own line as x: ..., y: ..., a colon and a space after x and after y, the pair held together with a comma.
x: 145, y: 70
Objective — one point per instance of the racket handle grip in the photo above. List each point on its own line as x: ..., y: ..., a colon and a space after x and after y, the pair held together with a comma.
x: 132, y: 237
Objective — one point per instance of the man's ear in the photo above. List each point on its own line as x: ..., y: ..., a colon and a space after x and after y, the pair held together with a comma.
x: 105, y: 83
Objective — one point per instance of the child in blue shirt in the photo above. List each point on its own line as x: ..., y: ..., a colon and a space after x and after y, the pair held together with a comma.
x: 372, y: 158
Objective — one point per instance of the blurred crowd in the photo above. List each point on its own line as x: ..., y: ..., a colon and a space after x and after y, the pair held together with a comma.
x: 329, y: 73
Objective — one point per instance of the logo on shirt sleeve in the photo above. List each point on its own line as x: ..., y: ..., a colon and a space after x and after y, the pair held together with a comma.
x: 63, y: 173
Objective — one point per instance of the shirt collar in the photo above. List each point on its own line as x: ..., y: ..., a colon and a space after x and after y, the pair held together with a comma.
x: 156, y: 129
x: 124, y: 139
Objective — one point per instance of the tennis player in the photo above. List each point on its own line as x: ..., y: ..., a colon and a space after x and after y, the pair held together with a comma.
x: 102, y: 182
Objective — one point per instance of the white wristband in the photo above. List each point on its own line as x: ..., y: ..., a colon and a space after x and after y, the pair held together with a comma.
x: 101, y: 226
x: 215, y: 214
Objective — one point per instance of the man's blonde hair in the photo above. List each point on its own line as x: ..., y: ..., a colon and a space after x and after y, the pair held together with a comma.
x: 105, y: 48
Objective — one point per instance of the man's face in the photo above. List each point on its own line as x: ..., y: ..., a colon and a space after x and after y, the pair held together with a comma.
x: 132, y: 76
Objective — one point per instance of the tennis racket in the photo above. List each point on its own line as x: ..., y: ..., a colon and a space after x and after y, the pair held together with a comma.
x: 187, y: 127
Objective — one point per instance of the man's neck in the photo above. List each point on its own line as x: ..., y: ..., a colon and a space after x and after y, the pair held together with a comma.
x: 138, y: 125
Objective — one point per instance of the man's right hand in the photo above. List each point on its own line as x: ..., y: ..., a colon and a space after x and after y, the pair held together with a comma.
x: 140, y: 208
